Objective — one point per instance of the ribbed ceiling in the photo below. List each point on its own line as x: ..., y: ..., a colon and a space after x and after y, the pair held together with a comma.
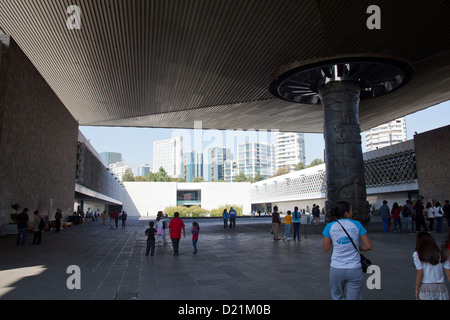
x: 167, y: 63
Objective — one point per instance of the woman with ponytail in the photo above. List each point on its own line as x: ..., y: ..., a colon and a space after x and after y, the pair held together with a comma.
x: 346, y: 275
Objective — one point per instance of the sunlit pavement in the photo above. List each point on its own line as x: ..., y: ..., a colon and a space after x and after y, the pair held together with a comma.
x: 241, y: 264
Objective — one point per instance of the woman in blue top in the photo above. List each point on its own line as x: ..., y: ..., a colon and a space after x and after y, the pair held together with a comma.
x: 346, y: 276
x: 296, y: 223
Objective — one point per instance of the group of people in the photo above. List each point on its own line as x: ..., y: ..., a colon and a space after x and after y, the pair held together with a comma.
x: 156, y: 233
x: 39, y: 224
x: 291, y: 219
x: 115, y: 216
x: 414, y: 217
x: 348, y: 237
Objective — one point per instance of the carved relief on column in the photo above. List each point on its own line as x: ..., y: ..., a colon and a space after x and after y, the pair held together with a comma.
x: 342, y: 134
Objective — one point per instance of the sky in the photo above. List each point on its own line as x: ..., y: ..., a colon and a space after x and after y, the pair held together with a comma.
x: 136, y: 144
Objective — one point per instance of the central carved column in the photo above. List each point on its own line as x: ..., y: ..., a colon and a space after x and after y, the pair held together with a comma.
x: 343, y: 152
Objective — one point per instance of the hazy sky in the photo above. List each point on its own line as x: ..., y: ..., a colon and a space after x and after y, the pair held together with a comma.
x: 136, y: 144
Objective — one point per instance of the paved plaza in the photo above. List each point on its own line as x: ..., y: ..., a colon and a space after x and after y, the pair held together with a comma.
x: 240, y: 264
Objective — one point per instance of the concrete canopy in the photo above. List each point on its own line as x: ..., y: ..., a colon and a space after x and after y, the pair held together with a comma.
x: 168, y: 63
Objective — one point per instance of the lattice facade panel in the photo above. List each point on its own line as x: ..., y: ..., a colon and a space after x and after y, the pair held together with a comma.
x: 394, y: 169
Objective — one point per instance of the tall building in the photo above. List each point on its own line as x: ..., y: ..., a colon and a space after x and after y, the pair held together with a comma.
x: 143, y: 170
x: 192, y: 166
x: 216, y: 160
x: 386, y: 134
x: 119, y: 169
x: 254, y: 158
x: 230, y: 170
x: 289, y: 149
x: 167, y: 154
x: 110, y: 157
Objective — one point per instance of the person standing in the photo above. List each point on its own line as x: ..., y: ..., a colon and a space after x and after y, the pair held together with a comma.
x: 58, y: 217
x: 22, y: 225
x: 116, y: 219
x: 296, y: 223
x: 150, y: 233
x: 36, y: 227
x: 287, y: 225
x: 439, y: 214
x: 395, y: 213
x: 446, y: 209
x: 346, y: 275
x: 430, y: 262
x: 233, y: 215
x: 407, y: 214
x: 385, y: 213
x: 276, y: 221
x: 159, y: 226
x: 176, y: 225
x: 420, y: 219
x: 124, y: 219
x: 430, y: 215
x: 225, y: 218
x: 112, y: 217
x: 195, y: 231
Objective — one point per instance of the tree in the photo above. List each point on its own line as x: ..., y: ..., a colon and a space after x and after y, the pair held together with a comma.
x: 140, y: 178
x: 241, y: 177
x: 128, y: 175
x: 258, y: 177
x: 160, y: 176
x: 315, y: 162
x: 300, y: 166
x: 282, y: 170
x: 198, y: 179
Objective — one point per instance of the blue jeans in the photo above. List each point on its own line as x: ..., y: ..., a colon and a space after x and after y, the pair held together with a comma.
x: 439, y: 224
x: 407, y: 220
x: 21, y: 234
x: 399, y: 223
x: 150, y: 247
x: 385, y: 224
x: 346, y: 284
x: 175, y: 244
x: 194, y: 244
x: 287, y: 230
x: 297, y: 230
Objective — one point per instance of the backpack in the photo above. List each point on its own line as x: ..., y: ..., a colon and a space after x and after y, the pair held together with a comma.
x: 405, y: 212
x: 41, y: 224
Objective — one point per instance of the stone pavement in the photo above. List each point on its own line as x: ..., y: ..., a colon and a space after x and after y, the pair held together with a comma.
x: 240, y: 264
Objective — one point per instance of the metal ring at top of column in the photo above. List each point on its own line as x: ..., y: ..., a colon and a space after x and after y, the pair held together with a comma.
x: 376, y: 75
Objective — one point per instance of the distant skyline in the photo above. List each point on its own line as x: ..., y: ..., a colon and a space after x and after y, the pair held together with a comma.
x: 136, y: 144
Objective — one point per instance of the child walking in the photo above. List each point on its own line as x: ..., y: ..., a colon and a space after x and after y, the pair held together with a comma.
x: 195, y: 231
x: 150, y: 233
x: 430, y: 262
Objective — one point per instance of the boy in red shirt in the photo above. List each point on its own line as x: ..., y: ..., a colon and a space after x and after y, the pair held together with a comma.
x: 175, y: 227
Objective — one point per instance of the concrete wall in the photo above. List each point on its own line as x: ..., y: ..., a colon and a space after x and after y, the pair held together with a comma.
x: 147, y: 198
x: 38, y: 139
x: 433, y: 164
x: 150, y: 197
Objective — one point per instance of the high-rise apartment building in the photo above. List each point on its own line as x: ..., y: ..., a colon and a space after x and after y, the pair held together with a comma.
x: 216, y: 161
x: 119, y: 169
x: 192, y: 166
x: 386, y: 134
x: 167, y: 154
x: 289, y: 149
x: 143, y: 170
x: 254, y: 158
x: 110, y: 157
